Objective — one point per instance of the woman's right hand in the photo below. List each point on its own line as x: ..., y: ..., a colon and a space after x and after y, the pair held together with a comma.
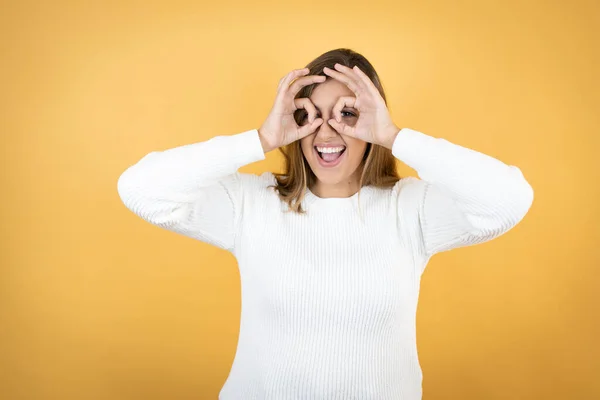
x: 280, y: 127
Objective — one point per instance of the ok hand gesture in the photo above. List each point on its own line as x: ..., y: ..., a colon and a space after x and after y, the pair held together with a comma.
x: 374, y: 123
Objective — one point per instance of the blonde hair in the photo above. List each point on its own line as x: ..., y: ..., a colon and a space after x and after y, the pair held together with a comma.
x: 378, y: 164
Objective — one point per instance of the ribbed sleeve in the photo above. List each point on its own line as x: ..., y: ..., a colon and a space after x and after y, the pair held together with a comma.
x: 467, y: 197
x: 195, y: 189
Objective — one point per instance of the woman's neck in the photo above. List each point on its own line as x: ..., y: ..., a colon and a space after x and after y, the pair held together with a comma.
x: 342, y: 189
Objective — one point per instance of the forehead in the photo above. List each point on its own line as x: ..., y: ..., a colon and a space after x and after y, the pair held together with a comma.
x: 327, y: 93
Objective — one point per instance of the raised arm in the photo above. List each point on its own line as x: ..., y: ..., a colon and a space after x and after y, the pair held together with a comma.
x: 464, y: 197
x: 195, y: 189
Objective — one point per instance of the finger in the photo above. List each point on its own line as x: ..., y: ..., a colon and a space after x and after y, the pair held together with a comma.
x: 305, y: 81
x: 354, y: 75
x: 280, y: 82
x: 341, y: 128
x: 308, y: 105
x: 309, y: 128
x: 344, y: 78
x: 367, y: 81
x: 344, y: 101
x: 285, y: 81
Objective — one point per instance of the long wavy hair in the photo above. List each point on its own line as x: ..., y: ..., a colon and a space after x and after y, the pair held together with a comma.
x: 378, y: 164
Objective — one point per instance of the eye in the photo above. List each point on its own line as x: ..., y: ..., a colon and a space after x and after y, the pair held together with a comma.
x: 303, y: 116
x: 351, y: 114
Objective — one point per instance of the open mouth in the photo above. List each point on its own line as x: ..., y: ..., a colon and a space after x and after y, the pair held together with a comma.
x: 330, y: 155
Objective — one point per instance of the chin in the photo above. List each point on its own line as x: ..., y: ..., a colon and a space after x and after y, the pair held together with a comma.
x: 329, y: 178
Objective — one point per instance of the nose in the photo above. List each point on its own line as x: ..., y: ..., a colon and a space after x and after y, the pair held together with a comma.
x: 326, y: 131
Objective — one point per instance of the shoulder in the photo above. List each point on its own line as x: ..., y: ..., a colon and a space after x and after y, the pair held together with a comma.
x: 256, y: 182
x: 257, y: 188
x: 409, y: 189
x: 408, y: 197
x: 259, y: 196
x: 404, y: 195
x: 408, y: 184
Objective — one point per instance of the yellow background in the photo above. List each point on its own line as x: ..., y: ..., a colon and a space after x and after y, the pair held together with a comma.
x: 97, y: 304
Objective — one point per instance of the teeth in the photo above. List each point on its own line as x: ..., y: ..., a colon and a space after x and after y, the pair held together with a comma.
x: 330, y: 149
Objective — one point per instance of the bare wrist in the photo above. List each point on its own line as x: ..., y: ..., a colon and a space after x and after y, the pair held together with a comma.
x: 391, y: 136
x: 265, y: 145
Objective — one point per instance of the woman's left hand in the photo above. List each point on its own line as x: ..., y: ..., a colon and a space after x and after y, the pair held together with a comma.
x: 374, y: 122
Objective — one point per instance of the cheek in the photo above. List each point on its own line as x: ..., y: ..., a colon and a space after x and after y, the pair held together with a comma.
x: 306, y: 147
x: 356, y: 158
x: 358, y: 151
x: 306, y: 152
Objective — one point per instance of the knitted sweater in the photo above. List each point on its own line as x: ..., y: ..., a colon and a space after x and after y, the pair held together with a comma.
x: 329, y: 298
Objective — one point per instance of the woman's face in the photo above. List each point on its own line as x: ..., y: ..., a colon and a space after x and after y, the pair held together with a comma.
x: 343, y: 168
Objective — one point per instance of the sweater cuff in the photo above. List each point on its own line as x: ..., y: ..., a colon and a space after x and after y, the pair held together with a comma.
x: 412, y: 146
x: 247, y: 146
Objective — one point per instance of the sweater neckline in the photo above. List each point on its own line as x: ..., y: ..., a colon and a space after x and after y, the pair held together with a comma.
x: 350, y: 201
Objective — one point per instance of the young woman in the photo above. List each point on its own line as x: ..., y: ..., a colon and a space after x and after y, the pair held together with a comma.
x: 330, y: 282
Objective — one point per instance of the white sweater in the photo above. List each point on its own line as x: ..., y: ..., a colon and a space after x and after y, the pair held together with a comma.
x: 329, y: 299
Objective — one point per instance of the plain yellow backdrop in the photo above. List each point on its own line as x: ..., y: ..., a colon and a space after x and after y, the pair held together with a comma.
x: 97, y: 304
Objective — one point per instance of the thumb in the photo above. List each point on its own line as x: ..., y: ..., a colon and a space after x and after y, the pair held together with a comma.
x: 341, y: 128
